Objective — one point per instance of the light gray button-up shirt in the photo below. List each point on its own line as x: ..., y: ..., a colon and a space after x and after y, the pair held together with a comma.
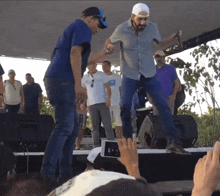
x: 136, y: 56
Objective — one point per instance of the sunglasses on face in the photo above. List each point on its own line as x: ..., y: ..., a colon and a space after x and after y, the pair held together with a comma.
x: 92, y: 84
x: 100, y: 17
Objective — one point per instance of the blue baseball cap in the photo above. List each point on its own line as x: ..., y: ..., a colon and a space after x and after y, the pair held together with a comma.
x: 94, y: 11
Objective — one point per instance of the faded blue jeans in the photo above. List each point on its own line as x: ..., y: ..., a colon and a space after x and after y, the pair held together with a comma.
x: 129, y: 86
x: 61, y: 94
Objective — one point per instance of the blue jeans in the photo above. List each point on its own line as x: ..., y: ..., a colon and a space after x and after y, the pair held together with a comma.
x: 61, y: 94
x: 129, y: 86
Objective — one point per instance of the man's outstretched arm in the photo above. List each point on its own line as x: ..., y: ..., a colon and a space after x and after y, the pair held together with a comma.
x: 96, y: 57
x: 167, y: 41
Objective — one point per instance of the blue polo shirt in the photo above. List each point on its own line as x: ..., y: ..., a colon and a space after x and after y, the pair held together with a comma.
x: 1, y: 70
x: 31, y: 95
x: 76, y: 34
x: 166, y: 75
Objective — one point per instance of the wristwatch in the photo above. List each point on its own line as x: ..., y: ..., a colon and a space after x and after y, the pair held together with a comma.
x: 106, y: 51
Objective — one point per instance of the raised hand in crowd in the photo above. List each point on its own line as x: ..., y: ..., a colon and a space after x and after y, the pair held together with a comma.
x: 129, y: 155
x: 206, y: 174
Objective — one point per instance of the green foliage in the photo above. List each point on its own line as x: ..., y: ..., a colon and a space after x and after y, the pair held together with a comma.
x: 47, y: 108
x: 208, y: 125
x: 89, y: 122
x: 186, y: 110
x: 199, y: 75
x: 204, y: 73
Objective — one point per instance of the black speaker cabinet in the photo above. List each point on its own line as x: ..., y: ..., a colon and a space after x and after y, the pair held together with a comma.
x: 29, y: 129
x: 152, y: 133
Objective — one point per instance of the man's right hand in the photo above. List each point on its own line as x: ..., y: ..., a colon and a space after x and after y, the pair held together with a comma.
x: 80, y: 93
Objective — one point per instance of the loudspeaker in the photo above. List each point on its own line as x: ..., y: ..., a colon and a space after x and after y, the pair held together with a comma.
x: 152, y: 132
x: 141, y: 113
x: 26, y: 128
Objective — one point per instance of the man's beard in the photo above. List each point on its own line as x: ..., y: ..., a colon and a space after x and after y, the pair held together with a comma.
x: 159, y: 62
x: 139, y: 27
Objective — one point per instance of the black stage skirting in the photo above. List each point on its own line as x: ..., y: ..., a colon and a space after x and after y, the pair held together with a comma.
x: 155, y: 164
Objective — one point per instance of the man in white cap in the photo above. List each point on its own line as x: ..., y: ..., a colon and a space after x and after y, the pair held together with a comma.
x: 138, y: 69
x: 169, y: 82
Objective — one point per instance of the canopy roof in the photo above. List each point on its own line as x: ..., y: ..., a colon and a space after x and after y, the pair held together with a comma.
x: 31, y: 28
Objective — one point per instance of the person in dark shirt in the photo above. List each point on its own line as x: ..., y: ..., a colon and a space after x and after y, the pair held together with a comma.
x: 62, y: 80
x: 32, y: 96
x: 1, y: 85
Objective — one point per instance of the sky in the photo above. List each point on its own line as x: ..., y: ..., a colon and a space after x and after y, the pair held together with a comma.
x: 37, y: 69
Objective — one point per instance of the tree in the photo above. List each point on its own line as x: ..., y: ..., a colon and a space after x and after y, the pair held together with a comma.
x: 201, y: 79
x: 203, y: 74
x: 47, y: 108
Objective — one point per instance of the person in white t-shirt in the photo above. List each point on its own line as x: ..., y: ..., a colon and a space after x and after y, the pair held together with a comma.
x: 97, y: 86
x: 115, y: 84
x: 13, y: 94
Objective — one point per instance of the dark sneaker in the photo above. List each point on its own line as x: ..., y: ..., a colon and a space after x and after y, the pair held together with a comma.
x: 175, y: 149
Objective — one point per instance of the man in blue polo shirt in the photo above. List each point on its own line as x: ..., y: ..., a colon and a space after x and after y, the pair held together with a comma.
x: 1, y: 85
x: 63, y: 85
x: 136, y: 37
x: 168, y: 80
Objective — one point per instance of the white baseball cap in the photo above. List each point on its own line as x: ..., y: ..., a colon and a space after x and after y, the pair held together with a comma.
x: 160, y: 53
x: 11, y: 71
x: 87, y: 181
x: 94, y: 154
x: 141, y: 7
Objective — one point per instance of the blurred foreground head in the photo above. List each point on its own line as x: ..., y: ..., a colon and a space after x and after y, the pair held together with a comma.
x: 104, y: 183
x: 28, y: 185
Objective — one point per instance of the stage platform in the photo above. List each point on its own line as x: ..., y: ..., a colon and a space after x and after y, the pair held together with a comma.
x: 171, y: 174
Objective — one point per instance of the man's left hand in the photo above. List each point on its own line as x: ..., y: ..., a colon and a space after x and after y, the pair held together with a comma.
x: 174, y: 38
x: 108, y: 103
